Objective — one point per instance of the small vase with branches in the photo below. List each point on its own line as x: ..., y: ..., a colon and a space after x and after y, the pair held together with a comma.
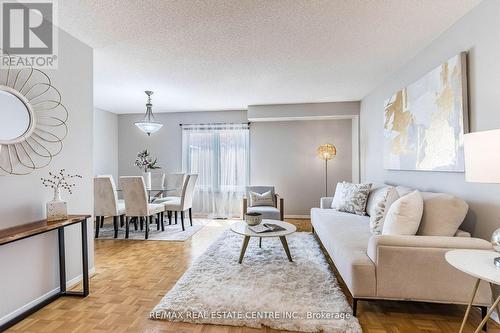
x: 146, y: 163
x: 57, y: 208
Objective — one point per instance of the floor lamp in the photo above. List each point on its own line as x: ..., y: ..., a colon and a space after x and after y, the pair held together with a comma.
x: 326, y: 152
x: 482, y: 165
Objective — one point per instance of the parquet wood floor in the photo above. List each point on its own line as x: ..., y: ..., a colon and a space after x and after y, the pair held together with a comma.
x: 132, y: 276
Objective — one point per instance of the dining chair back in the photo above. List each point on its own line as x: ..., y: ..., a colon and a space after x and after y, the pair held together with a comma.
x: 135, y: 195
x: 175, y: 180
x: 188, y: 191
x: 157, y: 180
x: 105, y: 196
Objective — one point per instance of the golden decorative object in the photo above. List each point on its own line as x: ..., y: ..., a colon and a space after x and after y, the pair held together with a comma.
x: 326, y: 151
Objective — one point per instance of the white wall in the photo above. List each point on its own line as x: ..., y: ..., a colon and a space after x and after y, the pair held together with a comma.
x: 339, y: 110
x: 479, y: 33
x: 283, y: 154
x: 29, y: 268
x: 166, y: 144
x: 105, y: 143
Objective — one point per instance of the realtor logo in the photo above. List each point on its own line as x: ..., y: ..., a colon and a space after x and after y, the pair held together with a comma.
x: 29, y: 34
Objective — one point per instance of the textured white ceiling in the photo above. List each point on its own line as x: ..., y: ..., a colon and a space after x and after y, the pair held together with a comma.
x: 221, y: 55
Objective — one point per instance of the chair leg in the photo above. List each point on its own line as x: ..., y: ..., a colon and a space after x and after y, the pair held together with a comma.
x: 102, y: 221
x: 191, y: 216
x: 135, y: 223
x: 115, y: 225
x: 141, y: 223
x: 169, y: 214
x: 122, y: 223
x: 162, y: 222
x: 147, y: 219
x: 127, y: 226
x: 182, y: 220
x: 97, y: 225
x: 157, y: 221
x: 484, y: 311
x: 175, y: 217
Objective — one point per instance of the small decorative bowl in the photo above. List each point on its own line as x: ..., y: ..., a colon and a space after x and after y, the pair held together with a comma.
x: 253, y: 218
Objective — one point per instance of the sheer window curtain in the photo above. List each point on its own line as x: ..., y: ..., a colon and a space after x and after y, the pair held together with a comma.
x: 219, y: 154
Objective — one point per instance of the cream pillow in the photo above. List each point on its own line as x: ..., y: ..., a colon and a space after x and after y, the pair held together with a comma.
x: 337, y: 197
x: 380, y: 202
x: 443, y: 214
x: 403, y: 218
x: 264, y: 199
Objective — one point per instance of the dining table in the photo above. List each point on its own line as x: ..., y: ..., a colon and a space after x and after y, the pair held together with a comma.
x: 158, y: 192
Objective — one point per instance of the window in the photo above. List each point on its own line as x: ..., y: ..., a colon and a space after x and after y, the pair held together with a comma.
x: 219, y: 154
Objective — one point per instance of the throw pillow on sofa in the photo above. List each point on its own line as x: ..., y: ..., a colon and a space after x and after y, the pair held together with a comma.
x: 443, y: 214
x: 381, y: 200
x: 258, y: 199
x: 404, y: 216
x: 351, y: 198
x: 374, y: 191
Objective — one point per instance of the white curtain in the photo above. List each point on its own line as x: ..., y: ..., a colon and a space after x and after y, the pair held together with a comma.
x: 219, y: 154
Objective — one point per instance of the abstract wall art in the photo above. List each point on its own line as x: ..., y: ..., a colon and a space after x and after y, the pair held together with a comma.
x: 425, y: 123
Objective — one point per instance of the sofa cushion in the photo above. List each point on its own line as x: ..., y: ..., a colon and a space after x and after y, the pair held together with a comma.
x: 403, y: 218
x: 443, y: 214
x: 403, y: 190
x: 374, y: 190
x: 381, y: 201
x: 268, y: 212
x: 345, y: 237
x: 351, y: 198
x: 260, y: 199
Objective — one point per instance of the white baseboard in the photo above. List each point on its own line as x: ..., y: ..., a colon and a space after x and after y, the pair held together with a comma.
x: 297, y: 216
x: 71, y: 283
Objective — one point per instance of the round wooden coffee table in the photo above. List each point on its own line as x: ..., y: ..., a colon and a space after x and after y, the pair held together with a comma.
x: 242, y: 228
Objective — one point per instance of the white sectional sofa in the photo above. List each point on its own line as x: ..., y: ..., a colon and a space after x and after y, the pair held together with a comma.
x: 411, y: 268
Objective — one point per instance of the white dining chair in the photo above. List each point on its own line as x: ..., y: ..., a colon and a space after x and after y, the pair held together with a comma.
x: 172, y: 181
x: 137, y: 205
x: 106, y: 203
x: 184, y: 202
x: 157, y: 182
x: 175, y: 180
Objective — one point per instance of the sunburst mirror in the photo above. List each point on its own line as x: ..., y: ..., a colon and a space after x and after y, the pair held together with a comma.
x: 32, y: 120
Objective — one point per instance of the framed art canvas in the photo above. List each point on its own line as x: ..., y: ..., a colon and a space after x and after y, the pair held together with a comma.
x: 425, y: 123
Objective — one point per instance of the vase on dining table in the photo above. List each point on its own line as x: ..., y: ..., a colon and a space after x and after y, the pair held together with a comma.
x: 147, y: 179
x: 57, y: 208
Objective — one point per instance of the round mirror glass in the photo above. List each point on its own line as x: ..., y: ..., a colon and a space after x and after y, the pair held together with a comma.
x: 15, y: 117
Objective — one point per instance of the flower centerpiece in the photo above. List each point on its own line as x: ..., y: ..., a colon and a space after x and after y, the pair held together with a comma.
x: 57, y: 208
x: 145, y: 162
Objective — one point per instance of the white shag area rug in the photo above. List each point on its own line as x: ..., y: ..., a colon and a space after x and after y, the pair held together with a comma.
x: 172, y: 232
x: 266, y: 289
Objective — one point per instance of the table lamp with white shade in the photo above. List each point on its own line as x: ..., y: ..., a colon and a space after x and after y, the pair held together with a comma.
x: 482, y: 165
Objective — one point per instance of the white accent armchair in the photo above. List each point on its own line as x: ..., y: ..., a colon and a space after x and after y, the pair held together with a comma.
x: 274, y: 212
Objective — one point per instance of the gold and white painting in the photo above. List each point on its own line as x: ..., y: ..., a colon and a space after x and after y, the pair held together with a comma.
x: 425, y: 123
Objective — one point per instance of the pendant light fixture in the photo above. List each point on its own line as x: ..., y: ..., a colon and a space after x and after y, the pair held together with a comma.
x: 148, y: 125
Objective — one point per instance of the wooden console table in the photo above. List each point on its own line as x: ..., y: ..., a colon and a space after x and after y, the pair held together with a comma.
x: 40, y: 227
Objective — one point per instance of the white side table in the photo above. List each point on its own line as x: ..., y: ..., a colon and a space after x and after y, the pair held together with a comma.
x: 479, y: 264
